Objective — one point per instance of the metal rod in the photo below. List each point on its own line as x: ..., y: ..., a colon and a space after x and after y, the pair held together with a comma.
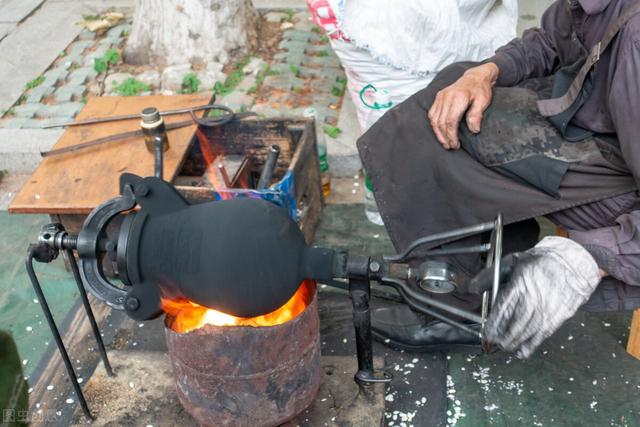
x: 459, y: 251
x: 54, y: 331
x: 441, y: 236
x: 224, y: 175
x: 111, y: 138
x: 497, y: 244
x: 159, y: 157
x: 89, y: 311
x: 127, y: 117
x: 269, y: 166
x: 424, y: 299
x: 430, y: 312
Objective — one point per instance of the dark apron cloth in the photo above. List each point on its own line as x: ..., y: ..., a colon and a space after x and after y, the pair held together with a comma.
x: 423, y: 189
x: 541, y: 149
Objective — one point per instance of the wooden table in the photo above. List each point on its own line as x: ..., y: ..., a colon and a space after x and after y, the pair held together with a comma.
x: 73, y: 184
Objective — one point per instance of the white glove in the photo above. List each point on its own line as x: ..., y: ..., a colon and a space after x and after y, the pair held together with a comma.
x: 548, y: 284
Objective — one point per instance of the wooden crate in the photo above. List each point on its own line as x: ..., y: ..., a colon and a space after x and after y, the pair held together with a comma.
x: 252, y: 137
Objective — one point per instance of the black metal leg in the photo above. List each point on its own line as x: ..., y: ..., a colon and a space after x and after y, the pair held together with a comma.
x: 360, y: 292
x: 89, y: 311
x: 55, y: 332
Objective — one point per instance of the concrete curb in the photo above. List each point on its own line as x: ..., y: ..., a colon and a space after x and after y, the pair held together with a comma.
x: 20, y: 148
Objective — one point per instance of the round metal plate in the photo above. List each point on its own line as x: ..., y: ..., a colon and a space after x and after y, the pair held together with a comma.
x: 437, y: 277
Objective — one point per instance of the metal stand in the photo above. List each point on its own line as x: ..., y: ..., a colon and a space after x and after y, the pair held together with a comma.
x: 46, y: 252
x: 392, y: 271
x: 360, y: 293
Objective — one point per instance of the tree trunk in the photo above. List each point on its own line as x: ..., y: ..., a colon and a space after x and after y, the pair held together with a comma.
x: 171, y: 32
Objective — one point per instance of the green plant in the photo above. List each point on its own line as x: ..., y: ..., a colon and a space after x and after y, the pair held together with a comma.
x: 332, y: 131
x: 10, y: 112
x: 294, y: 69
x: 297, y: 89
x: 341, y: 80
x: 337, y: 91
x: 190, y: 83
x: 3, y: 173
x: 84, y: 99
x: 34, y: 83
x: 316, y: 30
x: 271, y: 72
x: 322, y: 53
x: 111, y: 57
x: 21, y: 100
x: 324, y: 39
x: 233, y: 79
x: 131, y: 87
x: 62, y: 54
x: 91, y: 17
x: 289, y: 13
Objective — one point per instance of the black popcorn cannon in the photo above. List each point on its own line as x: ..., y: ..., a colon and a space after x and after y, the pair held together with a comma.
x: 245, y: 257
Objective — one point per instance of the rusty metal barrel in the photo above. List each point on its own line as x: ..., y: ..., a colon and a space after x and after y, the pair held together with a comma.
x: 248, y: 376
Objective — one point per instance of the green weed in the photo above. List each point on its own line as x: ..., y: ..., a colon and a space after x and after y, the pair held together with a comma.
x: 34, y: 83
x: 190, y: 83
x: 233, y: 79
x: 111, y: 57
x: 131, y: 87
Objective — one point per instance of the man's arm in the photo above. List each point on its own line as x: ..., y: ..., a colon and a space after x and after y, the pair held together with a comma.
x: 617, y: 248
x: 534, y: 55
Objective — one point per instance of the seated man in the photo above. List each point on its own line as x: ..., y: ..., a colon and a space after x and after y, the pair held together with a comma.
x: 547, y: 126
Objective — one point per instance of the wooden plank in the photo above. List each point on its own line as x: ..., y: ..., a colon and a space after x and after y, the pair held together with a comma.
x: 78, y: 182
x: 633, y: 345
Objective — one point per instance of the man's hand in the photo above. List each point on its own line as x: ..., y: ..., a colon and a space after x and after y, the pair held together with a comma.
x: 471, y: 94
x: 546, y: 285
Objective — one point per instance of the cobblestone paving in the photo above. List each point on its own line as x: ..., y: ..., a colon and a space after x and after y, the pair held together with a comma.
x: 304, y: 73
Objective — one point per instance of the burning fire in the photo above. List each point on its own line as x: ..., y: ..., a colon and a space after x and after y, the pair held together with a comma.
x: 185, y: 316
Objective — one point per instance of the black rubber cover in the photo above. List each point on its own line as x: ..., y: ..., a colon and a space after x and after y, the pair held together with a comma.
x: 245, y: 257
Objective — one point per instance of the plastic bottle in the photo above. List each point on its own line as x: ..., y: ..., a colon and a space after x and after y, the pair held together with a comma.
x: 325, y: 175
x: 370, y: 205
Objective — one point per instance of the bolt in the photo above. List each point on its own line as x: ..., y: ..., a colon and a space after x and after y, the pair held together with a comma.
x: 132, y: 303
x: 374, y: 266
x: 142, y: 190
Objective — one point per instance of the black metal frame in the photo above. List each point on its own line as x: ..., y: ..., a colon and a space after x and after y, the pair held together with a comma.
x: 361, y: 270
x: 46, y: 252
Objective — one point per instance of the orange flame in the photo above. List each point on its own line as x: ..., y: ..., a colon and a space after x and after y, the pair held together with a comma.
x: 185, y: 316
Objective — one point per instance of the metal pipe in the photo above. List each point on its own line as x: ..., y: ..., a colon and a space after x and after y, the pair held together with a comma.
x: 89, y: 311
x: 54, y: 331
x: 159, y: 157
x: 224, y: 175
x: 441, y: 236
x: 269, y: 166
